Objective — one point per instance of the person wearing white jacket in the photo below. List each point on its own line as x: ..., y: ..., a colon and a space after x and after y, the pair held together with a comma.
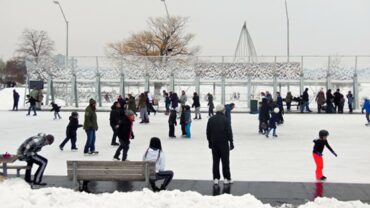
x: 155, y: 153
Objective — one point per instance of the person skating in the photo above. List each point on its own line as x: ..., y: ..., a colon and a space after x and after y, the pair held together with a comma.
x: 211, y: 105
x: 56, y: 109
x: 172, y: 123
x: 306, y: 101
x: 329, y: 102
x: 71, y: 132
x: 196, y: 105
x: 366, y: 107
x: 220, y: 136
x: 272, y: 123
x: 182, y: 121
x: 142, y: 105
x: 28, y: 152
x: 90, y: 126
x: 125, y: 134
x: 32, y: 102
x: 132, y: 103
x: 279, y: 104
x: 350, y: 101
x: 318, y: 148
x: 288, y: 101
x: 114, y: 121
x: 187, y: 120
x: 15, y: 100
x: 155, y: 153
x: 320, y: 100
x: 263, y: 116
x: 167, y: 102
x: 183, y: 98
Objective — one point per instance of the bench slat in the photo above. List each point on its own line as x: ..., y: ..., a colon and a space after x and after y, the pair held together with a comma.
x: 18, y: 167
x: 107, y: 163
x: 109, y: 172
x: 110, y: 177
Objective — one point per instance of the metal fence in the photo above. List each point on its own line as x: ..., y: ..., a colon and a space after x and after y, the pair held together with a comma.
x: 229, y: 79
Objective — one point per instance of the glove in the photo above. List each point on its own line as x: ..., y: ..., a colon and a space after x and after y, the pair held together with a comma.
x: 209, y: 146
x: 231, y: 146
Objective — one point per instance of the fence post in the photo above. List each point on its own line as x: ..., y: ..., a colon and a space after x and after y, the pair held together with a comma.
x: 122, y: 90
x: 301, y: 78
x: 197, y: 84
x: 223, y: 91
x: 50, y: 92
x: 274, y: 80
x: 355, y: 87
x: 249, y: 90
x: 74, y: 89
x: 172, y: 82
x: 146, y: 84
x: 328, y: 75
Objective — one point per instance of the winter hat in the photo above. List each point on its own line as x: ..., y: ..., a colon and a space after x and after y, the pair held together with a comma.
x: 92, y: 101
x: 155, y: 143
x: 323, y: 133
x: 220, y: 108
x: 276, y: 110
x: 74, y: 113
x: 50, y: 138
x: 129, y: 113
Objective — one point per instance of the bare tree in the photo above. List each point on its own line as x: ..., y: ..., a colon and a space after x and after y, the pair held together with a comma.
x: 163, y: 37
x: 35, y: 44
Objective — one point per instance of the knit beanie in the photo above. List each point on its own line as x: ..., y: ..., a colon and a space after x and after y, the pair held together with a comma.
x: 220, y: 108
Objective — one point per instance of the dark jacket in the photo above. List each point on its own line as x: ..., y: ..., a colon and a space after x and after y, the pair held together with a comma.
x: 72, y: 127
x: 319, y: 146
x: 16, y: 96
x: 219, y: 130
x: 90, y: 119
x: 305, y: 96
x: 132, y: 103
x: 172, y: 118
x: 337, y: 97
x: 174, y: 101
x: 125, y: 132
x: 273, y: 120
x: 228, y: 109
x: 210, y: 101
x: 279, y: 102
x: 196, y: 102
x: 32, y: 101
x: 264, y: 112
x: 114, y: 116
x: 55, y: 107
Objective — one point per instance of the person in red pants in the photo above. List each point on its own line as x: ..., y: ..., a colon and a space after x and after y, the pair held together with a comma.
x: 318, y: 148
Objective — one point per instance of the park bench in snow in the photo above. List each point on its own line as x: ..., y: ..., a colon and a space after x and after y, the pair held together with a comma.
x: 85, y: 171
x: 6, y: 167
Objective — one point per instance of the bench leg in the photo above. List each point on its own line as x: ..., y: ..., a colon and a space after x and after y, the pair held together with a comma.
x: 18, y: 172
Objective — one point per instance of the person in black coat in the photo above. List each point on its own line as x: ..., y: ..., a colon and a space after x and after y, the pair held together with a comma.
x: 219, y: 136
x: 172, y: 123
x: 306, y: 101
x: 114, y: 121
x: 125, y: 133
x: 32, y: 102
x: 182, y: 120
x: 329, y: 102
x: 174, y: 100
x: 196, y: 105
x: 71, y: 131
x: 56, y: 109
x: 263, y: 116
x: 16, y: 100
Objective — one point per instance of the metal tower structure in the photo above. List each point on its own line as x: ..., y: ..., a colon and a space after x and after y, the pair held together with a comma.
x: 245, y: 47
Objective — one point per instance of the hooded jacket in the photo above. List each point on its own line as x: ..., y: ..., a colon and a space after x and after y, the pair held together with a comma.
x: 156, y: 156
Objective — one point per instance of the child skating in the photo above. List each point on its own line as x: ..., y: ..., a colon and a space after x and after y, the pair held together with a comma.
x: 272, y: 122
x: 56, y: 110
x: 71, y: 132
x: 172, y: 123
x: 318, y: 148
x: 187, y: 115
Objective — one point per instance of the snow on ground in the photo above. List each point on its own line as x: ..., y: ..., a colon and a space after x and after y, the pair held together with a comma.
x: 255, y: 158
x: 16, y: 193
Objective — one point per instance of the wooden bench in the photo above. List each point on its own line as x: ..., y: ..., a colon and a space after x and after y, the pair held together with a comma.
x: 86, y: 171
x: 6, y: 167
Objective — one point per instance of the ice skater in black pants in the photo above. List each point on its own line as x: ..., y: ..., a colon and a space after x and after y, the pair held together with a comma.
x: 114, y: 121
x: 71, y: 132
x: 28, y: 152
x: 172, y: 123
x: 56, y: 110
x: 125, y: 134
x: 16, y: 100
x: 219, y: 135
x: 155, y: 153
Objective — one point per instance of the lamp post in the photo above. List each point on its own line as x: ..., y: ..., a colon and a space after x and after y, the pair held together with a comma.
x: 169, y: 23
x: 66, y: 21
x: 287, y: 27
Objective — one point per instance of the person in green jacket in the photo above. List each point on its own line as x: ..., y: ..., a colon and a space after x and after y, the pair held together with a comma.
x: 90, y: 126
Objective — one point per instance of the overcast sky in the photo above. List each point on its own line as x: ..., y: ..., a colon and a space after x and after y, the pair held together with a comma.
x: 318, y: 27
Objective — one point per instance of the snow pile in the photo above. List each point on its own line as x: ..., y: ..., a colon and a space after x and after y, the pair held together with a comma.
x: 17, y: 193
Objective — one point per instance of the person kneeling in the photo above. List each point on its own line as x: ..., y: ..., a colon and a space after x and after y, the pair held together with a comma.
x: 154, y: 153
x: 28, y: 152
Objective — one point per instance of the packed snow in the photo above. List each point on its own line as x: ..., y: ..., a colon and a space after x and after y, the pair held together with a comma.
x: 16, y: 193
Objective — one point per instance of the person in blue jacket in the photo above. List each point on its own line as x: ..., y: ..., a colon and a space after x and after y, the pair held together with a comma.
x: 366, y: 107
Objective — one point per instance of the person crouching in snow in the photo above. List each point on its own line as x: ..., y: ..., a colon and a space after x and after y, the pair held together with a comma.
x: 187, y: 117
x: 272, y: 122
x: 172, y: 123
x: 56, y: 110
x: 320, y: 143
x: 71, y: 132
x: 125, y: 133
x: 155, y: 153
x: 28, y: 152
